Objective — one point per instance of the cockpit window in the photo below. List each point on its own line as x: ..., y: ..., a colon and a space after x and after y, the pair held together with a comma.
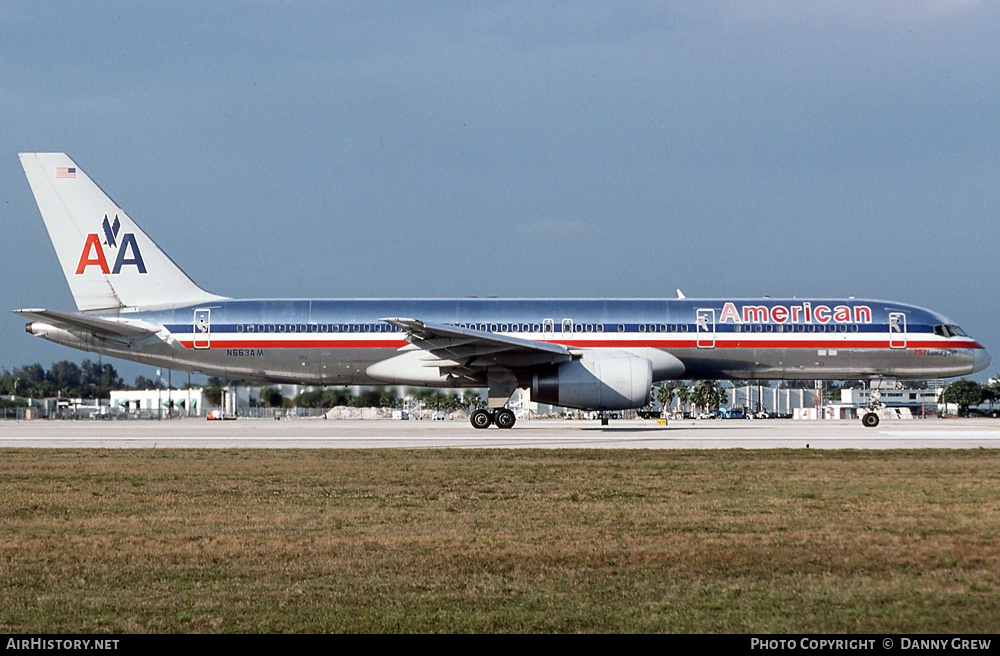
x: 949, y: 331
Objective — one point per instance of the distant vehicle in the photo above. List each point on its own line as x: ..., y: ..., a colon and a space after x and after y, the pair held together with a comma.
x: 401, y: 415
x: 979, y: 412
x: 708, y: 415
x: 219, y: 415
x: 597, y: 414
x: 438, y: 416
x: 647, y: 413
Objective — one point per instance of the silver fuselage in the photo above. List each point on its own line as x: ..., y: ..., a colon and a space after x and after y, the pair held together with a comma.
x: 333, y: 342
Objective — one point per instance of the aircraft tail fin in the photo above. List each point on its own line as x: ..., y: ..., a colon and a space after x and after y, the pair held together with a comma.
x: 108, y: 261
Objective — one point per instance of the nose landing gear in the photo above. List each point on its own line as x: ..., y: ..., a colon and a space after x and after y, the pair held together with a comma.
x: 870, y: 418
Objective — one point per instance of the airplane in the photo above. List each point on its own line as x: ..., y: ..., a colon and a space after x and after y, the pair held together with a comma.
x: 602, y: 354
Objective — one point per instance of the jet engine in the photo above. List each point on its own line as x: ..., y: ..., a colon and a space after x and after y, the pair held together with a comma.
x: 601, y: 379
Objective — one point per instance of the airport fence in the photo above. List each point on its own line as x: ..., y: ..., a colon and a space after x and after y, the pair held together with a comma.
x: 15, y: 413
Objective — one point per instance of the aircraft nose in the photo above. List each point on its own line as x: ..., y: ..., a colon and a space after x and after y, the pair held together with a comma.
x: 980, y: 360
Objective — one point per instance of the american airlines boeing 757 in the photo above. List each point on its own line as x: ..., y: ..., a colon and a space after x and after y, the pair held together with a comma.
x: 133, y: 302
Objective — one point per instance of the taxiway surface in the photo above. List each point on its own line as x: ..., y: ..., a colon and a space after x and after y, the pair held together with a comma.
x: 542, y: 434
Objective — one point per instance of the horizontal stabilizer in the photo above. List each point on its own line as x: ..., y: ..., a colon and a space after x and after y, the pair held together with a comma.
x: 69, y: 321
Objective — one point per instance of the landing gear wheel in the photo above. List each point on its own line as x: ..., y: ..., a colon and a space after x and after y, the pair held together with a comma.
x: 504, y: 419
x: 481, y: 418
x: 869, y: 420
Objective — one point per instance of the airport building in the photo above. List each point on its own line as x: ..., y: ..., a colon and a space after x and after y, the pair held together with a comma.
x: 159, y: 402
x: 915, y: 399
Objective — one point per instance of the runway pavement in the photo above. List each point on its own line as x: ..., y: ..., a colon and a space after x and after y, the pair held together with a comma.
x: 541, y: 434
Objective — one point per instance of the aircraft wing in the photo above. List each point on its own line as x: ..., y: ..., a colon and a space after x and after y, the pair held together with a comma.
x: 466, y: 347
x: 97, y: 326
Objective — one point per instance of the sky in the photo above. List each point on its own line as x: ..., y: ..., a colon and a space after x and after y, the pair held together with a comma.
x: 543, y: 149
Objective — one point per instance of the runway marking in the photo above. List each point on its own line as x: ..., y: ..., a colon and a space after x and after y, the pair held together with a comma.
x: 946, y: 434
x: 307, y: 434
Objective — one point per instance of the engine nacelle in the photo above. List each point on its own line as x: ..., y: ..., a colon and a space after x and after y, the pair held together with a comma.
x: 601, y: 379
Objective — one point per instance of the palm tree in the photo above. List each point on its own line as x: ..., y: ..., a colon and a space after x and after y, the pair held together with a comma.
x: 708, y: 395
x: 665, y: 395
x: 719, y: 396
x: 683, y: 393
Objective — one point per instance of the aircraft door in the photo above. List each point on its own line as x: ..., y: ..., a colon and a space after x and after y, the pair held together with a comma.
x: 705, y: 327
x: 202, y: 328
x: 897, y: 330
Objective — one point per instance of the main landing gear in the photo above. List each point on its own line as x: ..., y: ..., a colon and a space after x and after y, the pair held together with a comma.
x: 483, y: 418
x: 501, y: 383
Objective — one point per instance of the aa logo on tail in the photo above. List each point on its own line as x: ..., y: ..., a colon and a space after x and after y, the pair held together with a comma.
x: 93, y: 250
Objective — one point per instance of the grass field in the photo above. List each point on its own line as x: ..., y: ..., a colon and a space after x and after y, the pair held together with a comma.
x: 499, y: 541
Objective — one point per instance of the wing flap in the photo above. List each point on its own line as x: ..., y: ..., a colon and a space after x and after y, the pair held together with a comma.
x: 450, y: 346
